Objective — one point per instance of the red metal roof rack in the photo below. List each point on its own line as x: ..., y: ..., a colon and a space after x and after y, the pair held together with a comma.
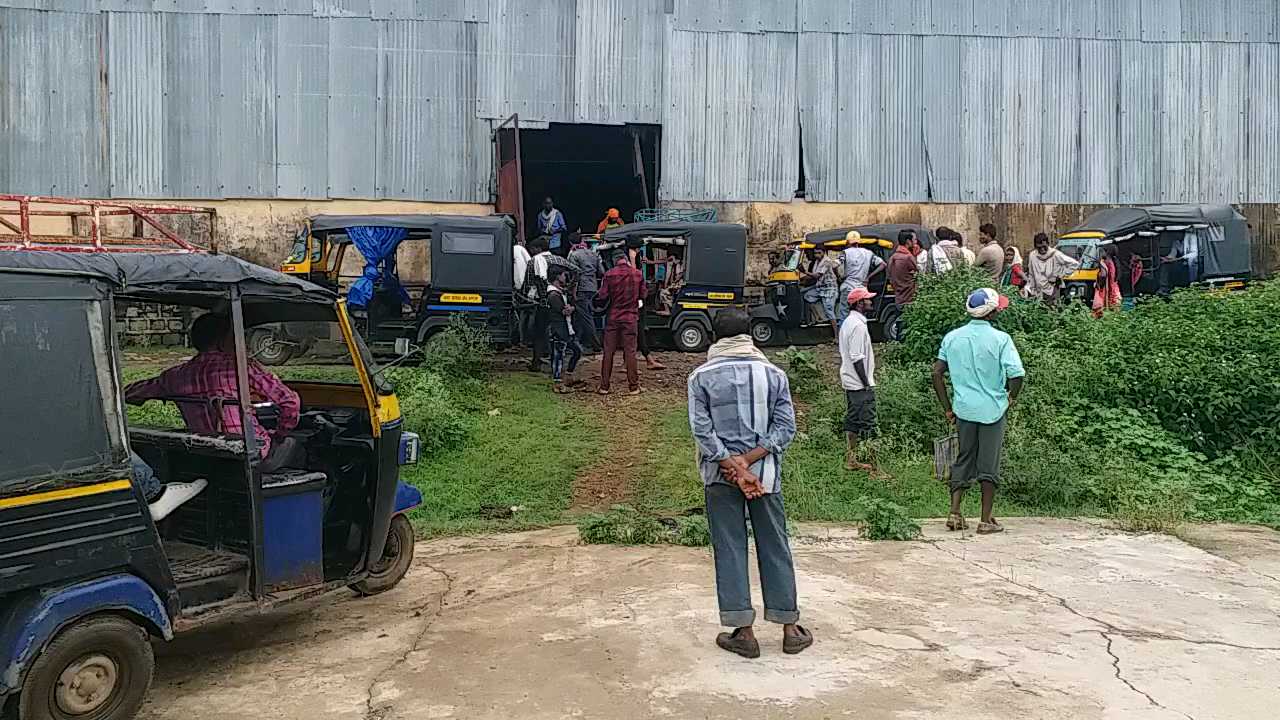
x: 90, y: 225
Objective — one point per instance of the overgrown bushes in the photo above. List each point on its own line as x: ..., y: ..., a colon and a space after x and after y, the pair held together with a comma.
x: 438, y: 398
x: 625, y: 525
x: 1149, y: 416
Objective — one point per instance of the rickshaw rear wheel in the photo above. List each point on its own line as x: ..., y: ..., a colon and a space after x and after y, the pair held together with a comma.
x: 96, y: 669
x: 397, y: 556
x: 764, y: 331
x: 267, y: 349
x: 691, y: 337
x: 892, y: 326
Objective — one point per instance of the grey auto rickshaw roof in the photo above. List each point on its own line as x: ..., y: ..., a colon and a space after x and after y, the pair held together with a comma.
x: 718, y: 233
x: 197, y: 279
x: 1124, y: 220
x: 484, y: 223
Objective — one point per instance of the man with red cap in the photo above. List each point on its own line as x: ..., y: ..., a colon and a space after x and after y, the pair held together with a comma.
x: 986, y: 376
x: 857, y: 376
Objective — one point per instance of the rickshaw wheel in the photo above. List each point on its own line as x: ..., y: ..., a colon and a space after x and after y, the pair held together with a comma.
x: 264, y: 347
x: 892, y: 326
x: 97, y: 669
x: 764, y: 332
x: 691, y: 337
x: 396, y: 558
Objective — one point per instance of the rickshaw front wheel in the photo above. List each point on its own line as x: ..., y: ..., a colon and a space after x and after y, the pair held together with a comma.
x: 397, y: 556
x: 96, y: 669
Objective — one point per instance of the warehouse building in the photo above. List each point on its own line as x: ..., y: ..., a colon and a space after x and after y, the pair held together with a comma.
x: 789, y: 115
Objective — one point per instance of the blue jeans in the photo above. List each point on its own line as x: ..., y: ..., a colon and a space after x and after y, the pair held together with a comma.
x: 558, y: 349
x: 145, y: 478
x: 727, y: 511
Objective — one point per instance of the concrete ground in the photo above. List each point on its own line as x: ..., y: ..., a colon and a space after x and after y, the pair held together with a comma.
x: 1053, y: 619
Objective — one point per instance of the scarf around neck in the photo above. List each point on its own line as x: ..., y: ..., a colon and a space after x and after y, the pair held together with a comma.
x: 736, y: 346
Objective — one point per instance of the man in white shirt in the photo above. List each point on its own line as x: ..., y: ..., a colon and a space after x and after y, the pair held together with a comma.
x: 537, y: 294
x: 520, y: 259
x: 857, y: 376
x: 860, y: 265
x: 933, y: 260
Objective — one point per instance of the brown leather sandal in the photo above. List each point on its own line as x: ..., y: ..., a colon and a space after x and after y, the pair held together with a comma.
x: 734, y: 643
x: 796, y: 644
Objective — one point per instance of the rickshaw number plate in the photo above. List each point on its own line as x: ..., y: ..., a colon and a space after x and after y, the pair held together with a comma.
x: 460, y: 297
x: 719, y: 296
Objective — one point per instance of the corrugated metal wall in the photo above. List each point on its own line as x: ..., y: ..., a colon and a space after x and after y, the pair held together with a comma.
x: 1089, y: 101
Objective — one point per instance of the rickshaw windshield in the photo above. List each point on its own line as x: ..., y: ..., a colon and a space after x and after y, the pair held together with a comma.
x: 381, y: 384
x: 1086, y: 251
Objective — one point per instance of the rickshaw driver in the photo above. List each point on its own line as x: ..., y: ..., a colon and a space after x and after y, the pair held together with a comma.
x: 211, y: 374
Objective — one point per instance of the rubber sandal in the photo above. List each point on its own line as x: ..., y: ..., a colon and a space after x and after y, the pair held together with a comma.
x: 956, y: 521
x: 602, y: 391
x: 737, y: 645
x: 990, y: 528
x: 795, y: 644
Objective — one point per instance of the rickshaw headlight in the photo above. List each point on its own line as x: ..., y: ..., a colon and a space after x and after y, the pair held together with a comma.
x: 410, y: 446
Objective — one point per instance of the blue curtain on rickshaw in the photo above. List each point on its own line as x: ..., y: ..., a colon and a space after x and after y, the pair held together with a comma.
x: 378, y: 246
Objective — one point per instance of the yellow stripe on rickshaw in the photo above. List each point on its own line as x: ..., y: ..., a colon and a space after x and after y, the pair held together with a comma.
x: 65, y: 494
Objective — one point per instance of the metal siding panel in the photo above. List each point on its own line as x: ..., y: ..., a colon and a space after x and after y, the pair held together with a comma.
x: 990, y: 17
x: 684, y: 120
x: 858, y: 123
x: 1204, y: 20
x: 943, y: 112
x: 1174, y: 156
x: 343, y: 8
x: 426, y: 112
x: 619, y: 78
x: 980, y: 121
x: 1223, y: 71
x: 1060, y: 139
x: 527, y: 60
x: 1099, y: 137
x: 951, y: 17
x: 135, y: 66
x: 74, y: 163
x: 1262, y: 172
x: 448, y: 10
x: 736, y: 15
x: 817, y: 79
x: 1140, y: 79
x: 1021, y: 110
x: 774, y: 141
x: 825, y: 16
x: 1161, y: 20
x: 247, y: 106
x: 353, y: 107
x: 191, y: 85
x: 1028, y: 18
x: 901, y: 152
x: 302, y: 107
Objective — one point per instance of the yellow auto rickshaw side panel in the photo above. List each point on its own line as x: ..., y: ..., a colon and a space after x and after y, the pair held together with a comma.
x: 1082, y: 276
x: 329, y: 395
x: 784, y: 276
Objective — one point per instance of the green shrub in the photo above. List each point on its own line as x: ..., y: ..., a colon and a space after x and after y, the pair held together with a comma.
x: 885, y: 520
x: 692, y: 531
x: 461, y: 350
x: 430, y: 408
x: 622, y: 525
x: 803, y: 373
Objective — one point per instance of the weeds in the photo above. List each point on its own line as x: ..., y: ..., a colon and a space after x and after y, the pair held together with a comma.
x: 885, y: 520
x: 461, y: 350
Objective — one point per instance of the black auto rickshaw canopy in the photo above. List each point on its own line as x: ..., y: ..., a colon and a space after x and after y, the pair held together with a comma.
x: 1223, y: 240
x: 877, y: 234
x: 468, y: 252
x: 715, y: 253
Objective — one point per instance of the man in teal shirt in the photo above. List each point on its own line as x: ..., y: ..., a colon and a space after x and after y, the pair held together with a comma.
x: 986, y: 376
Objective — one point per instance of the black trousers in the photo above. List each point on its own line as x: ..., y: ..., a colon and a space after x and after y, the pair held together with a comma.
x: 538, y: 333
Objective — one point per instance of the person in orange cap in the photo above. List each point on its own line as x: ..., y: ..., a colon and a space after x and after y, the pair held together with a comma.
x: 857, y: 376
x: 612, y: 219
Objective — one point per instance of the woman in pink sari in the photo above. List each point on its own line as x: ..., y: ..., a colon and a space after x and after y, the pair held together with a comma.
x: 1106, y: 290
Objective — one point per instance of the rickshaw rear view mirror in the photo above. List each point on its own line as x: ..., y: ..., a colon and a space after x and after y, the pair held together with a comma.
x: 403, y: 347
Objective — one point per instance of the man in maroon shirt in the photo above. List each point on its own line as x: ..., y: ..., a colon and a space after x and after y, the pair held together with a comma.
x: 620, y: 292
x: 903, y: 268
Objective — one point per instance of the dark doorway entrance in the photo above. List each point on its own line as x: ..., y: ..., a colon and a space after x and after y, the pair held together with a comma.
x: 588, y: 169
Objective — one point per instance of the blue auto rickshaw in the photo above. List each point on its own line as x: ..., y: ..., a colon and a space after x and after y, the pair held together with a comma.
x: 87, y: 578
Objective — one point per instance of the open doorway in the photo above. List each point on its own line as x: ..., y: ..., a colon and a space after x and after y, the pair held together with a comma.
x: 588, y: 169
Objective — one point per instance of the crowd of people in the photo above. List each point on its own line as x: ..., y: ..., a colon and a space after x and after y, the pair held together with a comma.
x: 571, y: 304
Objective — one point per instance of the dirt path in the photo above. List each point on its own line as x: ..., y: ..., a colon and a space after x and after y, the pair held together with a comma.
x: 631, y: 422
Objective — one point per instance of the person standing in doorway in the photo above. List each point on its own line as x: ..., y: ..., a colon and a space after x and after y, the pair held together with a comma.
x: 860, y: 265
x: 857, y: 375
x: 1046, y: 267
x: 612, y: 219
x: 743, y: 420
x: 986, y: 376
x: 551, y: 223
x: 560, y: 331
x: 620, y: 293
x: 990, y: 256
x: 590, y: 269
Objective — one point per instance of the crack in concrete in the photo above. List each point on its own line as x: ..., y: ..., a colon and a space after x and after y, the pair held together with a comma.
x: 1108, y: 628
x: 431, y: 611
x: 1115, y: 664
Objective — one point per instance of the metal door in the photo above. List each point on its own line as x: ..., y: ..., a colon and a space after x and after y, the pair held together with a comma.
x: 506, y: 156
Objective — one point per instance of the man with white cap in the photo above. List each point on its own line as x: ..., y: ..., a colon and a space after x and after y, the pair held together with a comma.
x: 986, y: 376
x: 857, y: 376
x: 860, y: 265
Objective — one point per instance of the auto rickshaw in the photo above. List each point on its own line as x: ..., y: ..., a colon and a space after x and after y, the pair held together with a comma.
x: 87, y: 578
x: 784, y: 317
x: 1217, y: 236
x: 470, y: 274
x: 692, y: 268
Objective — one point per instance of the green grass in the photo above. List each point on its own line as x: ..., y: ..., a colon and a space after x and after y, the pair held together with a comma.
x: 527, y: 455
x: 817, y: 486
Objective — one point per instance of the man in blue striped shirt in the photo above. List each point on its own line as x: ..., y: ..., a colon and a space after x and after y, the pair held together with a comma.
x: 742, y: 419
